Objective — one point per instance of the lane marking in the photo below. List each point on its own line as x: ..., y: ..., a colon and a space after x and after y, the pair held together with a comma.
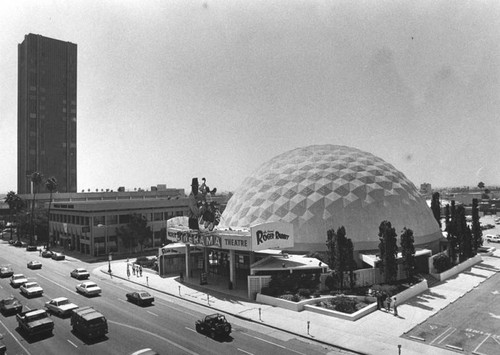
x: 243, y: 351
x: 450, y: 333
x: 481, y: 343
x: 69, y: 341
x: 58, y: 284
x: 156, y: 315
x: 155, y: 335
x: 440, y: 335
x: 21, y: 345
x: 177, y: 309
x: 194, y: 331
x: 267, y: 341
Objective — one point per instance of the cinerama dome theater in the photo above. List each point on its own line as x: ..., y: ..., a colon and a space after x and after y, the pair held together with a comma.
x: 321, y: 187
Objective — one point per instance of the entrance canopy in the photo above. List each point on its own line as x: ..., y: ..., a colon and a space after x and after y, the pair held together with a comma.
x: 287, y: 262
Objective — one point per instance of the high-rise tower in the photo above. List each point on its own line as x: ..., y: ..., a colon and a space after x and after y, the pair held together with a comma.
x: 46, y: 112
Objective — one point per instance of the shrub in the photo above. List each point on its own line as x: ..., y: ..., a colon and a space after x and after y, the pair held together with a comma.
x: 304, y: 292
x: 287, y: 297
x: 344, y: 304
x: 441, y: 263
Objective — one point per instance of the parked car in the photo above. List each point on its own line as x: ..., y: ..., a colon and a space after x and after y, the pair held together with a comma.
x: 60, y: 306
x: 34, y: 264
x: 88, y: 288
x: 58, y: 256
x: 47, y: 254
x: 6, y: 271
x: 487, y: 251
x: 31, y: 289
x: 80, y: 273
x: 493, y: 238
x: 141, y: 298
x: 145, y: 261
x: 214, y: 325
x: 18, y: 243
x: 31, y: 248
x: 17, y: 280
x: 10, y: 305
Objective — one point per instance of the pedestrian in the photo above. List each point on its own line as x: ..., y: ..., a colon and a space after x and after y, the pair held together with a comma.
x: 137, y: 271
x: 40, y: 252
x: 133, y: 269
x: 140, y: 269
x: 395, y: 307
x: 388, y: 304
x: 379, y: 300
x: 128, y: 272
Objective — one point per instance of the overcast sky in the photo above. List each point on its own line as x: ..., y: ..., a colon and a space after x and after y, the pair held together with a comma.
x: 170, y: 90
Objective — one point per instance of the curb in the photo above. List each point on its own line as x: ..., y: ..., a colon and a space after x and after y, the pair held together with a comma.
x: 239, y: 316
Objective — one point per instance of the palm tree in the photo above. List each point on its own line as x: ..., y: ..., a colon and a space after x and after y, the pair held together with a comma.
x: 51, y: 186
x: 36, y: 178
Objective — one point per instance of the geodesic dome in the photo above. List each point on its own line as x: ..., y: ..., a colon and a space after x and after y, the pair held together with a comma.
x: 320, y: 187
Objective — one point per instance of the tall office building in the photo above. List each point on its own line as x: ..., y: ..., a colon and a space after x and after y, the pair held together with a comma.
x: 46, y: 112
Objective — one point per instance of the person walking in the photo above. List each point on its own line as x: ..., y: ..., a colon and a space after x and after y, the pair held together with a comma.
x: 388, y: 304
x: 395, y: 307
x: 133, y: 269
x: 128, y: 272
x: 140, y: 269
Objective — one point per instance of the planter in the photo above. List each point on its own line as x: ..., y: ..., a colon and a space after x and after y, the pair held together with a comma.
x: 347, y: 316
x: 457, y: 268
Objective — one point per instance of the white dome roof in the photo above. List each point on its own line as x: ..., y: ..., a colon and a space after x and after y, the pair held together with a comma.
x: 320, y: 187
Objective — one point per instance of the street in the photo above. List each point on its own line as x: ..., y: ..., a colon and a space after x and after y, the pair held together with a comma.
x: 167, y: 326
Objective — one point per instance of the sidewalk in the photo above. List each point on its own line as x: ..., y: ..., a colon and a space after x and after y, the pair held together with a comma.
x: 377, y: 333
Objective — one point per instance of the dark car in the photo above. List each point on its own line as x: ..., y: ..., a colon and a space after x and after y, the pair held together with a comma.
x: 141, y: 298
x: 214, y: 325
x: 58, y: 256
x: 47, y: 254
x: 31, y: 248
x: 18, y: 243
x: 6, y: 271
x: 10, y: 305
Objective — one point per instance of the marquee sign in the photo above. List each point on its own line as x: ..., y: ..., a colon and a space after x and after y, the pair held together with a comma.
x: 188, y: 237
x: 272, y: 235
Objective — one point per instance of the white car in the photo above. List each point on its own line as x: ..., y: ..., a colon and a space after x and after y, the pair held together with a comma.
x: 60, y: 306
x: 31, y: 289
x: 17, y: 280
x: 493, y: 238
x: 80, y: 273
x: 88, y: 288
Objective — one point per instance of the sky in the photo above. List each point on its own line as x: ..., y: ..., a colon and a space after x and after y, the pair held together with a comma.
x: 171, y: 90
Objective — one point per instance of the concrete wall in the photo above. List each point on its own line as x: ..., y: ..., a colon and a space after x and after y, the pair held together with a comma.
x: 457, y: 268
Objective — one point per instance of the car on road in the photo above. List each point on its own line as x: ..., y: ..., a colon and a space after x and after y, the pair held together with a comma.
x: 486, y: 251
x: 60, y: 306
x: 141, y: 298
x: 493, y: 238
x: 215, y: 325
x: 31, y: 248
x: 80, y: 273
x: 88, y: 288
x: 6, y: 271
x: 17, y: 280
x: 10, y: 305
x: 31, y: 289
x: 18, y: 243
x: 58, y: 256
x: 34, y: 264
x: 47, y: 254
x: 146, y: 351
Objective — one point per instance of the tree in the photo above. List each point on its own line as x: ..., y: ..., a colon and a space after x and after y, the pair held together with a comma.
x: 36, y: 179
x: 340, y: 255
x: 436, y: 207
x: 452, y: 236
x: 481, y: 185
x: 463, y: 233
x: 408, y: 252
x: 16, y: 204
x: 388, y: 251
x: 51, y: 186
x: 135, y: 232
x: 477, y: 233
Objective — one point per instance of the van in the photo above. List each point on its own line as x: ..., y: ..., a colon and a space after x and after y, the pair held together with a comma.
x: 89, y: 323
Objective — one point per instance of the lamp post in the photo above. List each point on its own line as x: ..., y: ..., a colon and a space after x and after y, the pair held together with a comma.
x: 110, y: 257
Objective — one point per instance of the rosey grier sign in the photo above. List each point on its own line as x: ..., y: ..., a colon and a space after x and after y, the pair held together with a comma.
x: 272, y: 235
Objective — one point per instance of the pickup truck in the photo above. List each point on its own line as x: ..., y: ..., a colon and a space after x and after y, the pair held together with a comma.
x: 35, y: 322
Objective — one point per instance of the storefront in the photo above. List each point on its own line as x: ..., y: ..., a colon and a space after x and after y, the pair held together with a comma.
x: 224, y: 252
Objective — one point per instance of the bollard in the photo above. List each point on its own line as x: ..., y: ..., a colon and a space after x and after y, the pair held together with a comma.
x: 208, y: 299
x: 399, y: 349
x: 180, y: 291
x: 260, y: 318
x: 308, y: 323
x: 147, y: 281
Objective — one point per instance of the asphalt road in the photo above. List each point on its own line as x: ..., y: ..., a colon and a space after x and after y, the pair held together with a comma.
x: 167, y: 326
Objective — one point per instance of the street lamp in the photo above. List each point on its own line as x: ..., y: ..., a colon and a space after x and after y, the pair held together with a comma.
x: 110, y: 257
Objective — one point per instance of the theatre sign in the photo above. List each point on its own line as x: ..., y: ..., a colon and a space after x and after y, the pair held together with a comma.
x: 272, y: 235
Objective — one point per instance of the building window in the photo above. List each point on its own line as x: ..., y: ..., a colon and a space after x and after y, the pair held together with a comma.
x: 157, y: 216
x: 124, y: 218
x: 99, y: 220
x: 112, y: 219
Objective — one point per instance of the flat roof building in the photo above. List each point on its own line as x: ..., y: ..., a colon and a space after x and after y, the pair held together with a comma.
x: 46, y: 114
